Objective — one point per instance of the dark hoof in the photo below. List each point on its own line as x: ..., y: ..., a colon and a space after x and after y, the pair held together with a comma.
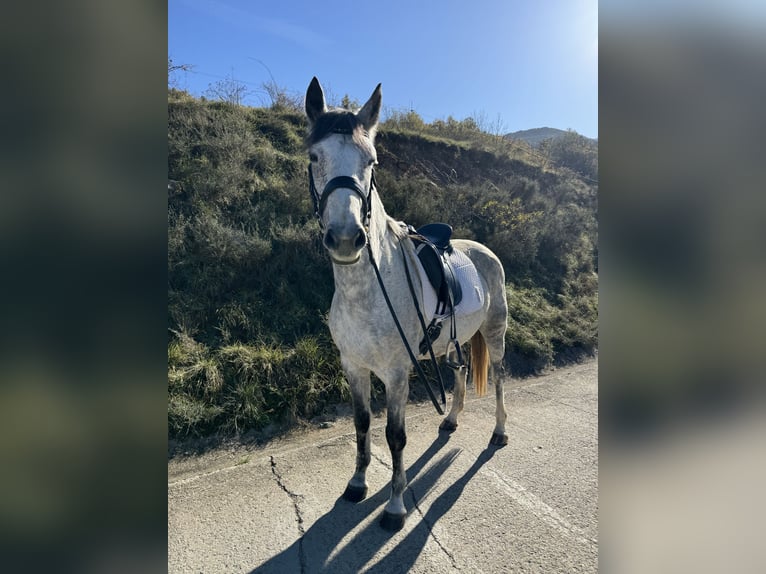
x: 355, y: 493
x: 448, y: 426
x: 392, y: 522
x: 499, y: 439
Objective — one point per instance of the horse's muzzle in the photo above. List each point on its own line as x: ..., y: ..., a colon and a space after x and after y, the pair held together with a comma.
x: 345, y: 245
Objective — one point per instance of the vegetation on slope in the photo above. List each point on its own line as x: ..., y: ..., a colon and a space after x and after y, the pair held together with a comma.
x: 249, y: 284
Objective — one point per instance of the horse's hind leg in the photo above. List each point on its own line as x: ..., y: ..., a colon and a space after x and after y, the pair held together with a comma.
x: 449, y: 424
x: 499, y: 438
x: 359, y: 381
x: 494, y: 335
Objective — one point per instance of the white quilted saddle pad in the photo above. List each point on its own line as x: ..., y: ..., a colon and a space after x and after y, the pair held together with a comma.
x: 467, y: 276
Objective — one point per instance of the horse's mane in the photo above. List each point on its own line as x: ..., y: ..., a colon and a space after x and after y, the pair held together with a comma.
x: 398, y: 228
x: 335, y: 122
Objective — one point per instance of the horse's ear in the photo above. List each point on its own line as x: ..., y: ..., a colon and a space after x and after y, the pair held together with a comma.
x: 315, y: 105
x: 369, y: 113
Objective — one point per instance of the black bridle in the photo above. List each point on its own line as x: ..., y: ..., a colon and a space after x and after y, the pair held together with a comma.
x: 340, y: 182
x: 320, y: 201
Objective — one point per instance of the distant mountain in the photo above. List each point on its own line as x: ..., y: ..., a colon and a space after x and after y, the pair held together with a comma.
x: 536, y: 135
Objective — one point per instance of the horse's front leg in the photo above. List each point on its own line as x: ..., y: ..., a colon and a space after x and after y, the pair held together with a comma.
x: 396, y: 401
x: 359, y: 382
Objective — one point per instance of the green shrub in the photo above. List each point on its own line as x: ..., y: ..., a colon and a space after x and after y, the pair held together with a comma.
x: 530, y: 325
x: 242, y: 386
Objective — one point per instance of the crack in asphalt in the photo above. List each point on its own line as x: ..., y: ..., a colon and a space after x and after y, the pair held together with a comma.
x: 422, y: 516
x: 538, y: 395
x: 381, y: 461
x: 431, y: 530
x: 298, y: 514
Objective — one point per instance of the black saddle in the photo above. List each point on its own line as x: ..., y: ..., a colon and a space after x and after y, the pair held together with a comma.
x: 432, y: 244
x: 434, y: 250
x: 439, y: 234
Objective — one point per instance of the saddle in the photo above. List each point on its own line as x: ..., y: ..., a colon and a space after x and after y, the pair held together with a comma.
x: 433, y: 248
x: 432, y: 245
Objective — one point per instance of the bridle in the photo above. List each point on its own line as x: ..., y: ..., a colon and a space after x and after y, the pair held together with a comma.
x: 341, y: 182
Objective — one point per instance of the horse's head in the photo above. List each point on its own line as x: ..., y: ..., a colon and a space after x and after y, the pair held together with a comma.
x: 342, y: 154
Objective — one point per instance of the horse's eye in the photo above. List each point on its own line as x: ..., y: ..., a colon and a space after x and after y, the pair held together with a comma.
x: 371, y: 162
x: 313, y: 157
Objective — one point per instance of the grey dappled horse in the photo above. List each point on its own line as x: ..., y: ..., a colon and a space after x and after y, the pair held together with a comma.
x: 342, y: 151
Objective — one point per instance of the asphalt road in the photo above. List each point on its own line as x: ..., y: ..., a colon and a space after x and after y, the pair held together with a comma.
x: 531, y: 506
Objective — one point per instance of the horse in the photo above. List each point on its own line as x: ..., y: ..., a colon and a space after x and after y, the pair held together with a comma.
x: 358, y: 234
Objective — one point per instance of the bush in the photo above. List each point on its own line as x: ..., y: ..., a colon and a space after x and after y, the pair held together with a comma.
x: 541, y: 332
x: 239, y: 386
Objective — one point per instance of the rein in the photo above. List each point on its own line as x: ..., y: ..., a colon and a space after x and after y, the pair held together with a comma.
x: 320, y: 202
x: 421, y: 375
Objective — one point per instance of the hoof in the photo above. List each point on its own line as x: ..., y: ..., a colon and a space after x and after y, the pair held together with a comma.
x: 355, y: 493
x: 499, y: 439
x: 448, y: 426
x: 392, y: 522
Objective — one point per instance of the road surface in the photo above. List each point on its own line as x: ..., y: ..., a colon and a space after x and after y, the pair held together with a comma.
x: 531, y: 506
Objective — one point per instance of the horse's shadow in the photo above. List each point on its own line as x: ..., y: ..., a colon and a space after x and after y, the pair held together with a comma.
x: 316, y: 550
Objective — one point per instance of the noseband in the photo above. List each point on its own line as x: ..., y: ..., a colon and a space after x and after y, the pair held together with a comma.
x: 340, y: 182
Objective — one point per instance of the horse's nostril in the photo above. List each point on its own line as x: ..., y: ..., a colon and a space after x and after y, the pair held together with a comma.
x: 344, y: 242
x: 330, y: 241
x: 360, y: 239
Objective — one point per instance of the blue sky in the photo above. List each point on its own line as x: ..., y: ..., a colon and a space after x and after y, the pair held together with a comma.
x: 522, y: 63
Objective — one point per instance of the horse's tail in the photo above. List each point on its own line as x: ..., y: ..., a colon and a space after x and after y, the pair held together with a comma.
x: 479, y: 363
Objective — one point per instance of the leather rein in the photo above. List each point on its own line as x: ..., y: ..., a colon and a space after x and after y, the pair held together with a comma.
x: 320, y: 201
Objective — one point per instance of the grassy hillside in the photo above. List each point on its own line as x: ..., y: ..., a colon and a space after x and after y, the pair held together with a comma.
x: 249, y: 284
x: 535, y: 136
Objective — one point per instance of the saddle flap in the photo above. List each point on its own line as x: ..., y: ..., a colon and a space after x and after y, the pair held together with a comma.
x: 440, y: 274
